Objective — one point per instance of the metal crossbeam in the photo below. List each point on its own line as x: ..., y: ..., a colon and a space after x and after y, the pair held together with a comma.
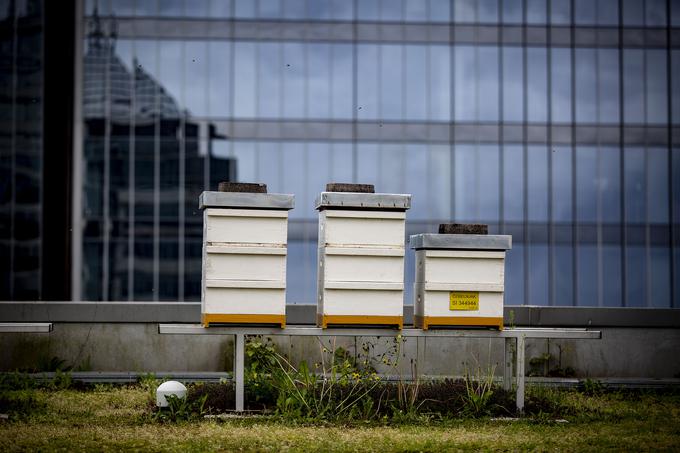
x: 514, y: 345
x: 25, y: 327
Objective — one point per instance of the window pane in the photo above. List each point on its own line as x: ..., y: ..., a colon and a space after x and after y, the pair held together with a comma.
x: 367, y: 89
x: 585, y: 12
x: 587, y: 275
x: 608, y: 86
x: 636, y: 275
x: 416, y: 82
x: 513, y: 183
x: 655, y: 13
x: 633, y: 13
x: 538, y: 270
x: 537, y: 158
x: 514, y: 277
x: 294, y: 77
x: 633, y: 86
x: 610, y: 184
x: 488, y: 11
x: 657, y: 95
x: 657, y: 185
x: 269, y: 70
x: 675, y: 85
x: 563, y: 275
x: 487, y: 71
x: 586, y: 184
x: 440, y: 83
x: 612, y: 291
x: 608, y: 12
x: 536, y: 11
x: 634, y: 168
x: 341, y: 81
x: 512, y: 11
x: 464, y: 11
x: 586, y: 86
x: 560, y: 12
x: 537, y: 84
x: 391, y: 83
x: 513, y: 84
x: 318, y: 80
x: 561, y: 184
x: 466, y: 83
x: 561, y: 85
x: 245, y: 78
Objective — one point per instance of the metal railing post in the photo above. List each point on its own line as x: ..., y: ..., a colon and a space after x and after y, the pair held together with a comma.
x: 239, y: 355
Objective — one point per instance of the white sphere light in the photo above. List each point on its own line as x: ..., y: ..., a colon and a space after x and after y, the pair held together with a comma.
x: 169, y: 388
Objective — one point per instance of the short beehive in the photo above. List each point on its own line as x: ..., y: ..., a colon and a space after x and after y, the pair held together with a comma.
x: 459, y: 279
x: 245, y: 237
x: 361, y: 258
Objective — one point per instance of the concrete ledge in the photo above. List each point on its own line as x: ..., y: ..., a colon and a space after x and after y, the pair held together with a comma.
x: 190, y: 312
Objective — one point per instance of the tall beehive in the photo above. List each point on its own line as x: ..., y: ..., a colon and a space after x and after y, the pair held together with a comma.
x: 361, y: 258
x: 245, y: 237
x: 460, y: 279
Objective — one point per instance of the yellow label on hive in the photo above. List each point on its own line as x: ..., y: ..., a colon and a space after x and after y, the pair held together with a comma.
x: 463, y: 300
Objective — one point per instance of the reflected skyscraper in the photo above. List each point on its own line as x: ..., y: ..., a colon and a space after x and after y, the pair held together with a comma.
x: 145, y: 163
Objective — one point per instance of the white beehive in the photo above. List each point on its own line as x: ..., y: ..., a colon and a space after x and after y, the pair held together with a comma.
x: 245, y: 237
x: 459, y: 279
x: 361, y: 258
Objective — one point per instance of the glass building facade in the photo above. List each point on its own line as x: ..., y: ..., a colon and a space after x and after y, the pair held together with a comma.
x: 21, y: 144
x: 555, y: 121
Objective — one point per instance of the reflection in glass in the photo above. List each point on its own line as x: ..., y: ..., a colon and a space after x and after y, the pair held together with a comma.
x: 537, y: 183
x: 587, y: 265
x: 656, y: 84
x: 513, y: 183
x: 560, y: 12
x: 536, y: 11
x: 608, y: 12
x: 513, y: 84
x: 585, y: 12
x: 537, y: 84
x: 561, y: 202
x: 561, y: 85
x: 586, y: 85
x: 633, y: 13
x: 633, y: 86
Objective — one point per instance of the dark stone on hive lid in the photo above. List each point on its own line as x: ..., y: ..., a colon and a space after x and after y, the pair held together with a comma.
x: 247, y: 187
x: 346, y: 187
x: 463, y: 228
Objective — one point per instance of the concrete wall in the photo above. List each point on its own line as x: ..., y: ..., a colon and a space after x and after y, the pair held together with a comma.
x: 622, y: 351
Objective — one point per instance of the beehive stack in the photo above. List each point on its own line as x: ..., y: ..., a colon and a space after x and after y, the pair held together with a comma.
x: 361, y: 256
x: 460, y: 277
x: 245, y: 237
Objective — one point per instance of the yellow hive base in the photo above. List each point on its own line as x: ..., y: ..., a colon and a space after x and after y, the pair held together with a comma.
x: 210, y: 318
x: 424, y: 322
x: 326, y: 320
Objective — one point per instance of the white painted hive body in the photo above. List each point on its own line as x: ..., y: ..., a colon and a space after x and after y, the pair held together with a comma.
x: 361, y: 258
x: 245, y: 237
x: 459, y: 279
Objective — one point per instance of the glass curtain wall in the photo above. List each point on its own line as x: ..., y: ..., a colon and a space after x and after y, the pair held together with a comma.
x: 554, y: 121
x: 21, y: 133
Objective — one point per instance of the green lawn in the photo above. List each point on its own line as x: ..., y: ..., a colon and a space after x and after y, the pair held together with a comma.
x: 115, y: 418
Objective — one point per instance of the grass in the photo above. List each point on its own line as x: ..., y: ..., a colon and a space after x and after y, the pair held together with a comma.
x: 115, y: 418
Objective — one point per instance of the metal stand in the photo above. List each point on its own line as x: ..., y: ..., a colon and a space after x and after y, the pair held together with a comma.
x: 515, y: 343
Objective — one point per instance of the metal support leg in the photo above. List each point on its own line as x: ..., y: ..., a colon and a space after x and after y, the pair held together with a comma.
x: 510, y: 346
x: 520, y: 373
x: 239, y: 349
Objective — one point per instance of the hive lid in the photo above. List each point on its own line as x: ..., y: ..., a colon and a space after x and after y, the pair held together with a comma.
x: 368, y: 201
x: 210, y: 199
x: 431, y: 241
